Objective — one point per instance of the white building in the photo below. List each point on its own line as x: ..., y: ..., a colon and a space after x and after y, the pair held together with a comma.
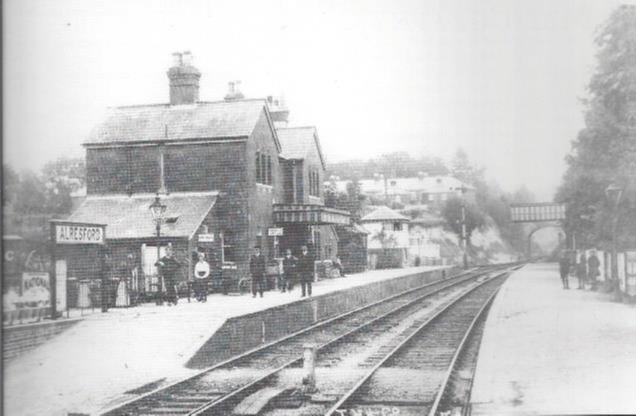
x: 393, y: 241
x: 429, y: 192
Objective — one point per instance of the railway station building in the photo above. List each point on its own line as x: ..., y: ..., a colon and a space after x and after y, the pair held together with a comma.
x: 231, y: 173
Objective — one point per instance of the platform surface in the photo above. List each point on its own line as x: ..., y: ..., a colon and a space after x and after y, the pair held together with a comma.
x: 547, y: 350
x: 105, y: 355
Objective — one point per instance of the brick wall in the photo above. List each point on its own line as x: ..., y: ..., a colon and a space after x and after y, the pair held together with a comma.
x: 22, y: 338
x: 243, y: 333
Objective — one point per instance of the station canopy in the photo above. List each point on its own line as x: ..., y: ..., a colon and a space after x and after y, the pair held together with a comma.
x: 129, y: 216
x: 309, y: 214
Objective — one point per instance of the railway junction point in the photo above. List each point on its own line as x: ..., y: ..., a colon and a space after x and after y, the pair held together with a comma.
x: 547, y: 350
x: 88, y: 367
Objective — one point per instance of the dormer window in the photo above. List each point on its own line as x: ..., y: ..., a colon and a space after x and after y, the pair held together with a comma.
x: 172, y: 219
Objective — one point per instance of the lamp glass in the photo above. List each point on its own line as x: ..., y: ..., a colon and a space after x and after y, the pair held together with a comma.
x: 613, y: 194
x: 157, y: 209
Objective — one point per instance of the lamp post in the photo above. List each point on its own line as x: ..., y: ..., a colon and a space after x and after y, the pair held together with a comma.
x: 614, y: 193
x: 158, y: 211
x: 464, y: 239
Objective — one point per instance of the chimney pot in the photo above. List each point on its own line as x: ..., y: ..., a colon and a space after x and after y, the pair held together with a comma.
x: 176, y: 59
x: 187, y: 58
x: 233, y: 92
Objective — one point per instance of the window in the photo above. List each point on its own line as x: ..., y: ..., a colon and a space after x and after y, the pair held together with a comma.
x: 268, y: 180
x: 263, y: 169
x: 314, y: 182
x: 397, y: 226
x: 228, y: 249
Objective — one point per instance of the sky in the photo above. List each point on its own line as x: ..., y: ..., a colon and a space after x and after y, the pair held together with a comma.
x: 501, y: 79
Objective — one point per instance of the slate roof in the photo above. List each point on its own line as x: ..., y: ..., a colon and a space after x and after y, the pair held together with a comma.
x: 129, y: 216
x: 357, y: 229
x: 428, y: 220
x: 297, y: 142
x: 384, y: 213
x: 429, y: 184
x: 163, y: 122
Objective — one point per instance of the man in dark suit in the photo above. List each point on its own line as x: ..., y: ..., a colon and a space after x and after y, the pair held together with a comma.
x: 289, y: 270
x: 305, y: 266
x: 258, y: 272
x: 564, y: 269
x: 169, y: 268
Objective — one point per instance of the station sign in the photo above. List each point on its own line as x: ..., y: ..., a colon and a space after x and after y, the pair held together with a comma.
x: 206, y: 238
x: 537, y: 212
x: 79, y: 233
x: 275, y: 232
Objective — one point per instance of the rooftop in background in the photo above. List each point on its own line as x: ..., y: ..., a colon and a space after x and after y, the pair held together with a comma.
x: 384, y: 213
x: 297, y: 142
x: 392, y: 186
x: 165, y: 122
x: 129, y: 216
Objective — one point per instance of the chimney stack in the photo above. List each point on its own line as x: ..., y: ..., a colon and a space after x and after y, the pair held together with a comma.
x: 278, y: 111
x: 233, y: 92
x: 184, y: 79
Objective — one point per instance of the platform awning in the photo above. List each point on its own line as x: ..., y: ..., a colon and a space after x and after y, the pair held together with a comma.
x: 309, y: 214
x: 128, y: 217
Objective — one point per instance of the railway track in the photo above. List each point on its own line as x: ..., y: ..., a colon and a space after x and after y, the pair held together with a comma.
x: 419, y: 375
x: 218, y: 389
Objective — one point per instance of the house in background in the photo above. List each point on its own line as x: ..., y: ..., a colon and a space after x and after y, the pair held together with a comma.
x: 388, y: 244
x: 427, y: 192
x: 220, y: 168
x: 398, y: 241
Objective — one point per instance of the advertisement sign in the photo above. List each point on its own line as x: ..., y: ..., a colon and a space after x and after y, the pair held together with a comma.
x: 621, y: 270
x: 60, y: 284
x: 206, y: 238
x: 36, y: 290
x: 69, y: 233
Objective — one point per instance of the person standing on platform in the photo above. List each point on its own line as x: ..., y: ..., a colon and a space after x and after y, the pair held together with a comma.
x: 564, y: 269
x: 168, y: 268
x: 201, y: 273
x: 306, y: 264
x: 581, y: 271
x: 289, y: 270
x: 258, y: 272
x: 593, y: 271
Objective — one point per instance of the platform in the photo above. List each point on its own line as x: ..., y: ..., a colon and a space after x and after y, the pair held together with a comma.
x: 547, y: 350
x: 93, y: 363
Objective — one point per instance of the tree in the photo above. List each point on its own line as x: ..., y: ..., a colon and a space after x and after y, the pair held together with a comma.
x: 10, y: 184
x: 62, y: 177
x: 462, y: 169
x: 604, y: 151
x: 388, y: 242
x: 31, y: 195
x: 452, y: 213
x: 352, y: 200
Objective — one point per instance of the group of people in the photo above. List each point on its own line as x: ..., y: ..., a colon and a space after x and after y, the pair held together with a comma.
x: 295, y: 269
x: 586, y: 270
